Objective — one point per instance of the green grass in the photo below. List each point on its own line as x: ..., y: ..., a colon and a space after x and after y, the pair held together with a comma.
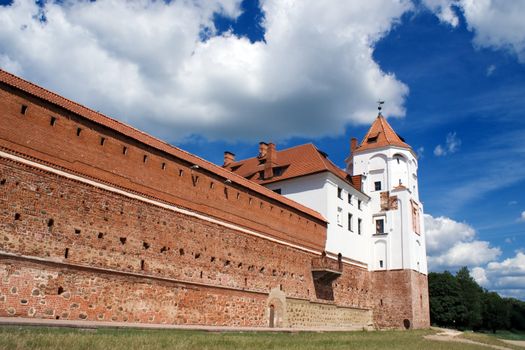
x: 16, y: 338
x: 509, y: 335
x: 488, y: 339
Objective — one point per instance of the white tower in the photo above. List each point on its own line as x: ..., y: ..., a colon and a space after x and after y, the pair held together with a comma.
x: 389, y: 176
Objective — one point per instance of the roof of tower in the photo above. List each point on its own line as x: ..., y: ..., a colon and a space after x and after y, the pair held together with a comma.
x: 381, y: 135
x: 291, y: 163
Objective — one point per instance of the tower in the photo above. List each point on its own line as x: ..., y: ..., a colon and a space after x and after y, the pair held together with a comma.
x: 388, y: 167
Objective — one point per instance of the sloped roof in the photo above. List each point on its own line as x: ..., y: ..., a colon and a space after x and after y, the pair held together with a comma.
x: 292, y: 162
x: 381, y: 135
x: 126, y: 130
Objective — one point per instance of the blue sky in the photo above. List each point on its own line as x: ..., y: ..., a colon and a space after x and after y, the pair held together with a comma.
x: 223, y: 75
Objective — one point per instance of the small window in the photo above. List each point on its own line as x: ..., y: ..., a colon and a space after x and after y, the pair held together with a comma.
x: 277, y: 190
x: 79, y: 131
x: 377, y: 185
x: 163, y: 166
x: 339, y: 216
x: 53, y: 121
x: 102, y: 141
x: 372, y: 138
x: 124, y: 150
x: 381, y: 263
x: 339, y: 193
x: 359, y: 221
x: 359, y: 204
x: 380, y: 226
x: 350, y: 222
x: 278, y: 171
x: 349, y: 198
x: 145, y: 158
x: 23, y: 109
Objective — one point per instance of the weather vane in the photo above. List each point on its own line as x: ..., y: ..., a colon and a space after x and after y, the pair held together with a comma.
x: 380, y: 103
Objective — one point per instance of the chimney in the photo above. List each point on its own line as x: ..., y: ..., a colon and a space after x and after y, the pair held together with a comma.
x: 263, y: 148
x: 353, y: 145
x: 271, y: 158
x: 229, y: 158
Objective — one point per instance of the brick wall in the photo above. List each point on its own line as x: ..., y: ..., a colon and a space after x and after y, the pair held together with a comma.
x: 400, y: 299
x: 55, y: 136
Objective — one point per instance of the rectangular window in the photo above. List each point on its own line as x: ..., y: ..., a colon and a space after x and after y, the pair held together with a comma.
x: 359, y: 221
x: 339, y: 216
x: 380, y: 226
x: 339, y: 193
x: 377, y: 185
x: 359, y: 204
x: 381, y: 263
x: 349, y: 198
x: 349, y: 222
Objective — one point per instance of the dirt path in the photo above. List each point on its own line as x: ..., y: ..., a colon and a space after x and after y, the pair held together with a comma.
x: 515, y: 342
x: 453, y: 336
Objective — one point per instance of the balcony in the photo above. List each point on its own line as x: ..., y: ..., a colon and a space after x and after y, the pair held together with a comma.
x: 326, y: 269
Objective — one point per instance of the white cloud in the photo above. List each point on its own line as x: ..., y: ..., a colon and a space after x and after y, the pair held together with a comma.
x: 451, y: 244
x: 506, y: 277
x: 522, y: 217
x: 452, y: 144
x: 144, y: 62
x: 444, y: 11
x: 496, y: 24
x: 490, y: 70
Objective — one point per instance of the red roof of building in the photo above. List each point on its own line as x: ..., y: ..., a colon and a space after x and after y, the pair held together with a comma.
x: 381, y: 135
x: 129, y: 131
x: 291, y: 163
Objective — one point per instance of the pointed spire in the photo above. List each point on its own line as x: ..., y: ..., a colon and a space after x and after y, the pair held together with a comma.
x: 381, y: 135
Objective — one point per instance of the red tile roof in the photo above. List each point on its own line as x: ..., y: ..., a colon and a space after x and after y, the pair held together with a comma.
x: 293, y: 162
x: 381, y: 135
x: 129, y: 131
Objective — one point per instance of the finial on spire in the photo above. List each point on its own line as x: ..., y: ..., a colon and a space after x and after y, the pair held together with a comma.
x: 380, y: 105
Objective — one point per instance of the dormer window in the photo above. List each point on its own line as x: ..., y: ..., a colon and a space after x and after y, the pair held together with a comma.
x: 372, y: 138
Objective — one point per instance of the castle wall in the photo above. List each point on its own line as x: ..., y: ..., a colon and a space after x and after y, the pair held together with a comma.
x: 76, y: 251
x: 58, y: 137
x: 96, y: 225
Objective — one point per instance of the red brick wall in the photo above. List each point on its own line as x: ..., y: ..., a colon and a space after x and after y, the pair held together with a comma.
x: 174, y: 182
x: 42, y: 215
x: 398, y: 296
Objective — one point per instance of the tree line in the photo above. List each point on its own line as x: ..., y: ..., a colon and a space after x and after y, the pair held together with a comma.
x: 459, y: 302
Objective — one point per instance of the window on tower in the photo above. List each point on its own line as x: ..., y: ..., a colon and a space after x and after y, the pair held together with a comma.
x: 340, y: 216
x: 380, y: 226
x: 377, y: 185
x: 350, y: 222
x: 339, y: 193
x: 359, y: 221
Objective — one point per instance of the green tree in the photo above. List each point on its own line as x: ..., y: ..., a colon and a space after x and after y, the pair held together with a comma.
x: 471, y: 299
x: 446, y: 305
x: 496, y: 314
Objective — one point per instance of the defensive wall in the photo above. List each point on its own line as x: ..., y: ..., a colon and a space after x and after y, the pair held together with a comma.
x: 99, y: 221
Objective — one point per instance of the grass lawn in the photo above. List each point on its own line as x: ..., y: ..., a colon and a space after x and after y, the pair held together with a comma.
x: 14, y: 338
x: 489, y: 339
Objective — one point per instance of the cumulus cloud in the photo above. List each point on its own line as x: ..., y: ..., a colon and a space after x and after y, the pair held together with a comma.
x: 450, y: 244
x: 452, y: 144
x: 522, y: 216
x: 145, y: 62
x: 506, y: 277
x: 496, y: 24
